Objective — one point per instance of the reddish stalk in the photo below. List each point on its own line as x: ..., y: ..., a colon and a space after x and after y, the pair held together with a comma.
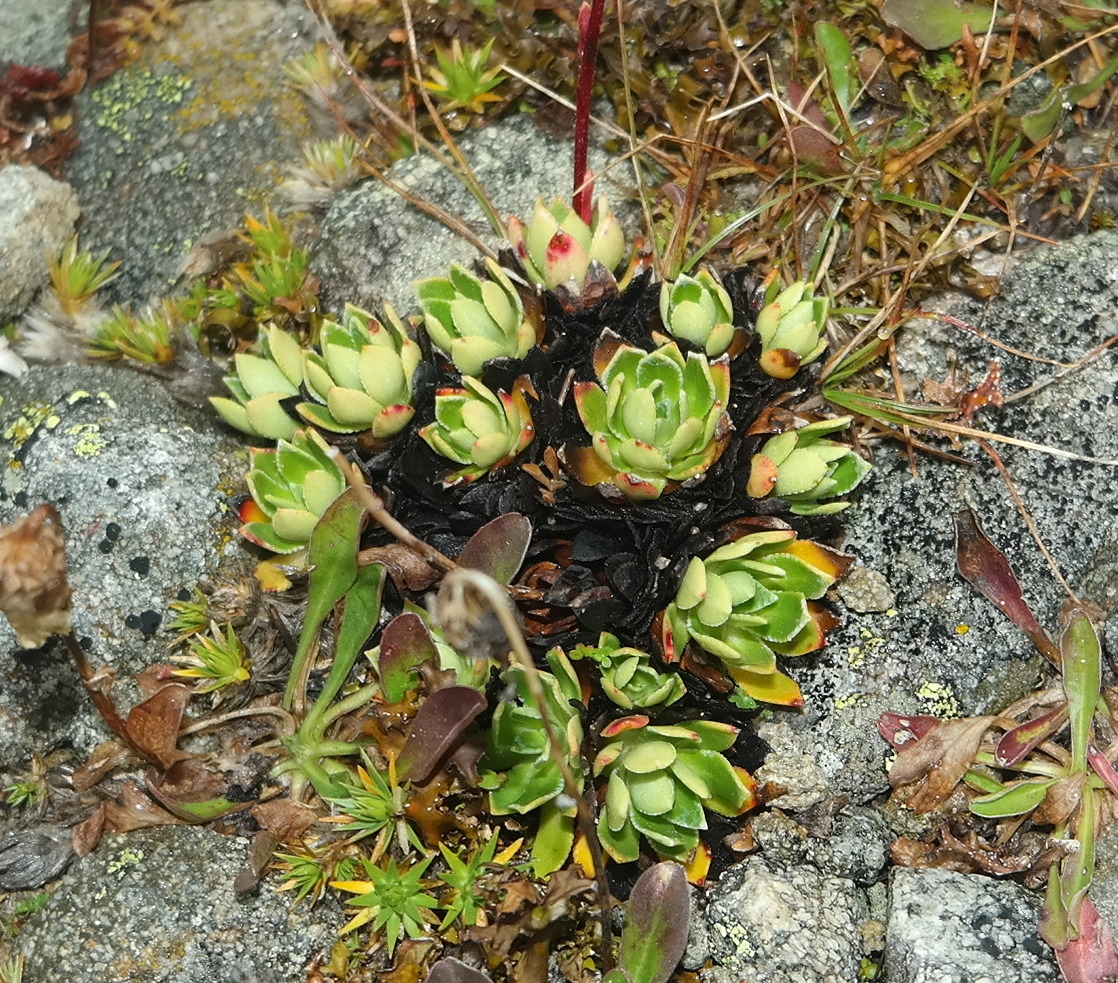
x: 589, y: 27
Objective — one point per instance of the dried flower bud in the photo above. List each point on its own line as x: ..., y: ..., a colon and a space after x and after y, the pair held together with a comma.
x: 34, y: 594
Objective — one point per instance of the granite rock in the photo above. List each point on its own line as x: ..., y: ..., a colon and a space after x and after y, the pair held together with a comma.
x: 37, y: 216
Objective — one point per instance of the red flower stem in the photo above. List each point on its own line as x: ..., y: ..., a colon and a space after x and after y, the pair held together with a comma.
x: 589, y: 27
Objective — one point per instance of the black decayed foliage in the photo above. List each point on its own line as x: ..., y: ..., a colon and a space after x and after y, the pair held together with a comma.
x: 614, y: 564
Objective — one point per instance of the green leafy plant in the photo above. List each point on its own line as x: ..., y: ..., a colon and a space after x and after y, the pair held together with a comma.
x: 292, y: 486
x: 791, y: 326
x: 77, y: 275
x: 659, y: 781
x: 24, y: 793
x: 748, y: 602
x: 803, y: 468
x: 461, y: 877
x: 627, y: 676
x: 479, y: 428
x: 363, y: 378
x: 518, y: 769
x: 656, y: 419
x: 474, y: 321
x: 261, y: 385
x: 217, y: 660
x: 698, y: 309
x: 463, y: 79
x: 309, y: 874
x: 12, y: 970
x: 557, y: 246
x: 394, y: 901
x: 375, y: 806
x: 144, y: 339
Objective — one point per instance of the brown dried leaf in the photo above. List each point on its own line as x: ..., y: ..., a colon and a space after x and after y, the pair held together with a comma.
x: 284, y: 819
x: 938, y: 760
x: 154, y: 724
x: 104, y: 758
x: 134, y: 810
x: 259, y: 854
x: 87, y: 834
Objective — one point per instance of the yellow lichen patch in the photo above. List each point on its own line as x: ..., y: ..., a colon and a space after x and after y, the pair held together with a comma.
x: 135, y: 95
x: 91, y: 442
x: 33, y: 416
x: 938, y: 700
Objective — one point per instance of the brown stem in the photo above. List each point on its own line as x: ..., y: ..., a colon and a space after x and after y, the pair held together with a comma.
x: 95, y: 685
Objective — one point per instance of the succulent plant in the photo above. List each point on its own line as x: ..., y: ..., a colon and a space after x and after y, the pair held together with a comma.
x: 261, y: 384
x: 628, y: 678
x: 660, y: 779
x: 292, y: 486
x: 698, y: 309
x: 657, y: 418
x: 518, y: 768
x: 478, y: 428
x: 557, y: 246
x: 791, y: 326
x: 747, y: 603
x: 362, y: 379
x: 474, y: 321
x: 803, y: 468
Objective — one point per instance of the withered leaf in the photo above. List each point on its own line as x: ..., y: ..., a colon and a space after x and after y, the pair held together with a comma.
x: 260, y: 852
x: 154, y: 724
x: 284, y: 819
x: 938, y: 760
x: 135, y: 810
x: 103, y: 759
x: 87, y: 834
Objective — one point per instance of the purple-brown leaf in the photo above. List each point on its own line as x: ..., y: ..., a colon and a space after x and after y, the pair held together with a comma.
x: 405, y: 644
x: 987, y: 570
x: 1018, y: 743
x: 1091, y: 958
x: 499, y: 547
x: 438, y: 726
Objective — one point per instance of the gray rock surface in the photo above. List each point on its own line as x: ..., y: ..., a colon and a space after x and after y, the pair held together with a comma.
x: 189, y: 138
x: 142, y: 485
x: 37, y: 216
x: 158, y: 906
x: 961, y: 928
x: 36, y: 33
x: 778, y: 924
x: 373, y: 244
x: 854, y: 845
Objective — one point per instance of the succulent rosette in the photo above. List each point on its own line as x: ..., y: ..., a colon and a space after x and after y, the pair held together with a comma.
x: 803, y: 468
x: 518, y: 768
x: 656, y: 419
x: 557, y: 246
x: 698, y: 309
x: 260, y: 385
x: 292, y: 486
x: 659, y: 782
x: 791, y: 326
x: 474, y: 321
x: 362, y: 380
x: 478, y: 428
x: 627, y: 676
x: 748, y: 602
